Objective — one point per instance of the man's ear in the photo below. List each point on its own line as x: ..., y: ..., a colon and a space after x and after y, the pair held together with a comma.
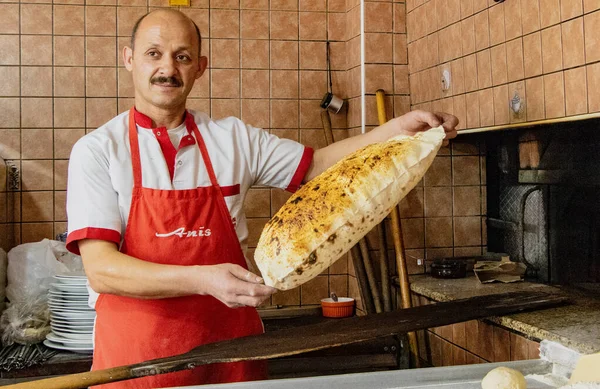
x: 202, y: 65
x: 128, y: 57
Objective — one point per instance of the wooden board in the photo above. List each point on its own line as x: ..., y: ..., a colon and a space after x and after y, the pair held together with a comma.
x: 313, y: 337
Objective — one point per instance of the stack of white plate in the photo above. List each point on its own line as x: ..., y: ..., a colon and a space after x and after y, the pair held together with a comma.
x: 71, y: 319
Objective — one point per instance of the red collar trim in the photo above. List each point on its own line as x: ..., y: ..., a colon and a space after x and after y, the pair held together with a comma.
x: 144, y: 121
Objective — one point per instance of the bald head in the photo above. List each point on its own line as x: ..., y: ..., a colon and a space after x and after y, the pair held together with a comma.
x: 173, y: 16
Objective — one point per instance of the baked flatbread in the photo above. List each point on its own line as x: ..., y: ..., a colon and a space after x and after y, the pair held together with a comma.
x: 333, y: 211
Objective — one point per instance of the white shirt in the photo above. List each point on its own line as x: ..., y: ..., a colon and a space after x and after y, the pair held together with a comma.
x: 100, y: 179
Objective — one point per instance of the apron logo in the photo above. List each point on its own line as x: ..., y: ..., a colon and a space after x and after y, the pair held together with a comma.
x: 182, y: 233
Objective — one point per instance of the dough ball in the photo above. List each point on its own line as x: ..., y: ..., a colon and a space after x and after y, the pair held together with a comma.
x: 504, y: 378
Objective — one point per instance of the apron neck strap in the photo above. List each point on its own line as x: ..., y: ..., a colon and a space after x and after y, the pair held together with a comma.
x: 135, y: 149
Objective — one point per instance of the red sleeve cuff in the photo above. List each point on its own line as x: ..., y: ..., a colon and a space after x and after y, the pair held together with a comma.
x: 91, y: 233
x: 301, y: 171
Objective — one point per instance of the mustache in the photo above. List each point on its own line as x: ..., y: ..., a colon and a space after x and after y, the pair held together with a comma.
x: 171, y: 81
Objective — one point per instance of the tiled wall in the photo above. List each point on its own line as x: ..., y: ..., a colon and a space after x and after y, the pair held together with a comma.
x: 544, y: 50
x: 472, y: 342
x: 63, y: 76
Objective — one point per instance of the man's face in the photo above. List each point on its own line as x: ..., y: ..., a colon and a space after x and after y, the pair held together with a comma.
x: 165, y: 61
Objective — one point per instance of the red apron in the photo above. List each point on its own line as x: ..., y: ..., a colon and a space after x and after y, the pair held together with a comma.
x: 130, y: 330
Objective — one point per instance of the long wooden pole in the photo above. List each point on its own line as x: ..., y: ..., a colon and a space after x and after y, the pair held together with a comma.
x: 383, y: 266
x: 364, y: 250
x: 399, y: 245
x: 293, y: 341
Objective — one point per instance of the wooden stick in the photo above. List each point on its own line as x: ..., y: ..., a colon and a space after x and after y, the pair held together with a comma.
x: 293, y: 341
x: 383, y: 265
x: 364, y: 250
x: 361, y: 277
x: 399, y: 245
x: 326, y: 121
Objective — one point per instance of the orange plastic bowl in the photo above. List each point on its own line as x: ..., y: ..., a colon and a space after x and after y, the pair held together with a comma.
x: 344, y: 307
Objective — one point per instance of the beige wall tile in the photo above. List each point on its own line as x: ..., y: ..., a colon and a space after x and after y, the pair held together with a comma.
x: 532, y: 54
x: 513, y: 19
x: 284, y: 114
x: 284, y: 25
x: 101, y: 82
x: 36, y: 112
x: 313, y: 84
x: 36, y: 19
x: 486, y: 107
x: 37, y: 206
x: 255, y: 24
x: 570, y: 9
x: 69, y: 51
x: 549, y: 12
x: 201, y: 18
x: 378, y: 17
x: 438, y: 232
x: 222, y: 108
x: 35, y: 232
x: 12, y: 81
x: 35, y: 50
x: 100, y: 51
x: 590, y: 5
x: 413, y: 233
x: 10, y: 112
x: 314, y: 290
x: 225, y: 23
x: 313, y: 26
x: 64, y: 139
x: 225, y: 83
x: 256, y: 112
x: 573, y: 43
x: 9, y: 18
x: 36, y: 144
x: 551, y: 49
x: 514, y: 60
x: 284, y: 84
x: 554, y: 95
x: 497, y: 31
x: 484, y: 69
x: 69, y: 20
x: 101, y: 21
x: 466, y: 170
x: 60, y: 174
x: 126, y: 18
x: 501, y: 115
x: 313, y: 55
x: 284, y: 55
x: 472, y: 102
x: 499, y: 67
x: 593, y: 85
x: 378, y: 48
x: 575, y: 91
x: 255, y: 54
x: 535, y: 98
x: 36, y: 81
x: 438, y: 201
x: 592, y: 38
x: 69, y: 112
x: 258, y: 203
x: 530, y: 16
x: 287, y: 297
x: 381, y: 77
x: 439, y: 173
x: 37, y: 175
x: 225, y: 53
x: 470, y: 65
x: 336, y: 26
x: 10, y: 147
x: 99, y: 111
x: 467, y: 200
x: 467, y: 31
x: 69, y: 81
x: 482, y: 30
x: 399, y: 23
x: 313, y: 5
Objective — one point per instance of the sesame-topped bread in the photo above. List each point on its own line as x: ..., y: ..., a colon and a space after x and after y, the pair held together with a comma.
x: 333, y: 211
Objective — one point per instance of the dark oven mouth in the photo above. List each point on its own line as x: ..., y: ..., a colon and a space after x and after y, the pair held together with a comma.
x: 543, y: 201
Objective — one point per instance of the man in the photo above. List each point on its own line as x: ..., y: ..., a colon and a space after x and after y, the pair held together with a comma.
x: 155, y: 202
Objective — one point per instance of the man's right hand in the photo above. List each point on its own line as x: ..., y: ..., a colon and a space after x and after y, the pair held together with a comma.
x: 233, y: 285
